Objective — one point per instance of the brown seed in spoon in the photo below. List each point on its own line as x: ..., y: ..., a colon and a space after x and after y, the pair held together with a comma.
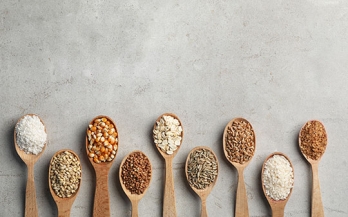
x: 240, y: 141
x: 313, y: 139
x: 136, y: 172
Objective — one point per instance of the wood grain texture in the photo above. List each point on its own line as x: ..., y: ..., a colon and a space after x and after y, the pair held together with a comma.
x: 277, y: 206
x: 278, y: 209
x: 63, y: 204
x: 241, y: 198
x: 30, y: 193
x: 134, y: 198
x: 204, y: 212
x: 169, y: 204
x: 241, y: 209
x: 101, y: 206
x: 202, y: 193
x: 31, y: 209
x: 317, y: 204
x: 317, y: 208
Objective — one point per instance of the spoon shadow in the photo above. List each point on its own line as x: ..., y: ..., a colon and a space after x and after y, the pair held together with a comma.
x: 261, y: 193
x: 48, y: 195
x: 117, y: 184
x: 86, y: 164
x: 192, y: 194
x: 161, y: 169
x: 234, y: 173
x: 23, y: 167
x: 307, y: 166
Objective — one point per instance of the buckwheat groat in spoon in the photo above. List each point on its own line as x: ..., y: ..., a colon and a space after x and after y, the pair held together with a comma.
x: 313, y: 141
x: 167, y: 135
x: 135, y: 177
x: 30, y: 139
x: 239, y: 147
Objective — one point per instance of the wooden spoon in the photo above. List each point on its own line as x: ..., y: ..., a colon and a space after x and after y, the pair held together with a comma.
x: 29, y: 159
x: 101, y: 196
x: 202, y: 193
x: 134, y: 198
x: 317, y: 204
x: 169, y: 208
x: 63, y: 204
x: 277, y: 206
x: 241, y: 199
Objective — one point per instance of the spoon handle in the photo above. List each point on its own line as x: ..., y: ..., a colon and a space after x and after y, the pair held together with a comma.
x: 64, y: 209
x: 30, y: 194
x: 278, y: 211
x: 241, y: 199
x: 317, y: 204
x: 101, y: 206
x: 204, y: 212
x: 169, y: 209
x: 135, y: 208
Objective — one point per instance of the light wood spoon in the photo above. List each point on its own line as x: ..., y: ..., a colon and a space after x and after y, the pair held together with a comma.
x: 169, y: 208
x: 29, y: 159
x: 101, y: 207
x: 63, y: 204
x: 202, y: 193
x: 134, y: 198
x: 277, y: 206
x: 317, y: 204
x: 241, y: 209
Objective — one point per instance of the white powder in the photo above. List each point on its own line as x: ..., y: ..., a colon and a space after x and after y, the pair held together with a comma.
x: 278, y: 177
x: 31, y: 135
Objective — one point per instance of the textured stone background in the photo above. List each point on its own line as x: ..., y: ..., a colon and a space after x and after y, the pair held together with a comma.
x: 276, y: 63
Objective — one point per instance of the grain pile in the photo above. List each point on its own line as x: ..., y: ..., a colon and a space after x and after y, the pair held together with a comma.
x: 30, y: 134
x: 167, y: 134
x: 202, y: 168
x: 240, y: 141
x: 313, y: 140
x: 136, y: 172
x: 65, y: 174
x: 278, y: 177
x: 102, y: 140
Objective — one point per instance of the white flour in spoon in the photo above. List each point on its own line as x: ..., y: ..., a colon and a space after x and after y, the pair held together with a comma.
x: 31, y: 135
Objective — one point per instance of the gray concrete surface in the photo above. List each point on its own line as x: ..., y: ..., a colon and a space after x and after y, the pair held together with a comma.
x: 276, y: 63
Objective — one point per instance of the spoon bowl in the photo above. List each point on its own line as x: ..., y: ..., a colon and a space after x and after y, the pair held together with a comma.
x: 134, y: 198
x: 204, y: 192
x: 169, y: 208
x: 101, y: 205
x: 29, y: 159
x: 63, y: 204
x: 233, y: 132
x: 277, y: 206
x: 313, y: 129
x: 165, y: 155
